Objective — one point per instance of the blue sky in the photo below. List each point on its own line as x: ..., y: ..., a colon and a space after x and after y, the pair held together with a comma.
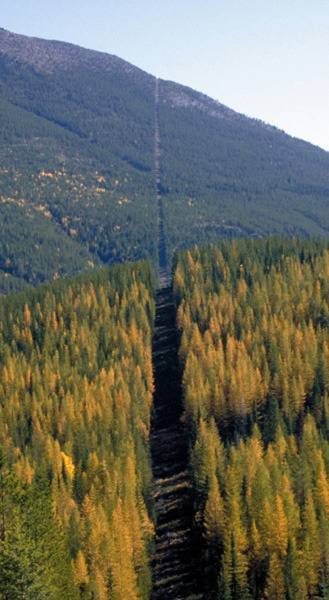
x: 266, y: 58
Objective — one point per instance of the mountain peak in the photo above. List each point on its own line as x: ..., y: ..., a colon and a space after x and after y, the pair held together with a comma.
x: 46, y: 56
x: 49, y: 56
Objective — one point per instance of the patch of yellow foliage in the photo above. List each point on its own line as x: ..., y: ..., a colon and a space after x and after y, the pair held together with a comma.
x: 68, y: 464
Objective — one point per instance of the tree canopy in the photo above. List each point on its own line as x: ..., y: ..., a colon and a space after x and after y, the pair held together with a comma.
x: 254, y: 349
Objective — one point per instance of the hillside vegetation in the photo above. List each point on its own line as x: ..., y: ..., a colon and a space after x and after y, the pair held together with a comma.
x: 75, y: 401
x: 77, y: 165
x: 254, y: 324
x: 225, y: 175
x: 76, y: 153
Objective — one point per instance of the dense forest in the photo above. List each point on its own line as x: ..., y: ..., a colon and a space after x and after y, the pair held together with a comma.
x: 76, y: 154
x: 101, y: 165
x: 76, y: 516
x: 224, y: 175
x: 77, y: 165
x: 254, y: 322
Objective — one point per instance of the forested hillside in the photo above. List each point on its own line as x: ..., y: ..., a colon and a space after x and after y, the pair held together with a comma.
x: 225, y: 175
x: 254, y: 319
x: 75, y: 401
x: 77, y: 162
x: 76, y: 154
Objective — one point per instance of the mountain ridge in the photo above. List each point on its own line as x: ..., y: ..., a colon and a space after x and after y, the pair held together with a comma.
x: 67, y: 54
x: 78, y: 52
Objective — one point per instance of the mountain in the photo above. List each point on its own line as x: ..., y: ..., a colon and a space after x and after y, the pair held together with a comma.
x: 77, y: 183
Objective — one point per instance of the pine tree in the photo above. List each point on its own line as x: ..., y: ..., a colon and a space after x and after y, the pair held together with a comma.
x: 275, y: 588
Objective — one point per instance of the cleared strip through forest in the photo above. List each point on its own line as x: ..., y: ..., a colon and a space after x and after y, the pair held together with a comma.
x: 175, y: 574
x: 164, y: 277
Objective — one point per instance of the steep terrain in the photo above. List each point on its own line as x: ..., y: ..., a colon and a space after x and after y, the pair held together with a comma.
x: 76, y: 154
x: 76, y: 165
x: 225, y: 175
x: 163, y: 265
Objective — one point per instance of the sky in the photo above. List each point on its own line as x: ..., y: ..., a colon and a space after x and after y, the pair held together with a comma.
x: 266, y: 58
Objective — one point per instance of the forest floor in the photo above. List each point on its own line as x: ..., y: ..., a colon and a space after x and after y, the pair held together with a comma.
x: 175, y: 564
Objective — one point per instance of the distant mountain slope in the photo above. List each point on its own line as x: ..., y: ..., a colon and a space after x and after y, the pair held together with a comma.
x: 77, y: 154
x: 224, y: 174
x: 76, y: 145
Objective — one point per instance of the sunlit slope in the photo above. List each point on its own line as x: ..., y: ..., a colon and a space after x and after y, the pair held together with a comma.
x: 76, y: 146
